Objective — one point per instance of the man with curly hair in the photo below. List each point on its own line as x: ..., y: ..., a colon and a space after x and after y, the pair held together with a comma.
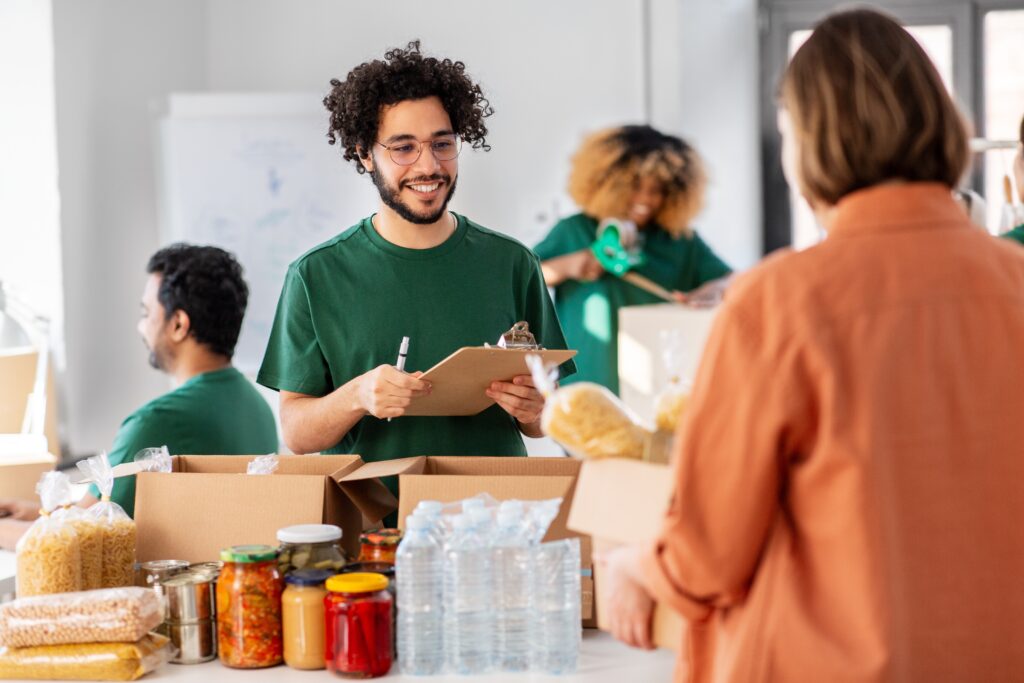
x: 413, y: 268
x: 191, y: 314
x: 656, y: 181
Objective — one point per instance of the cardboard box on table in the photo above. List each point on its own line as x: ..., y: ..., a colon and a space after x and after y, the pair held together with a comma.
x: 208, y: 503
x: 621, y: 502
x: 19, y: 474
x: 453, y: 478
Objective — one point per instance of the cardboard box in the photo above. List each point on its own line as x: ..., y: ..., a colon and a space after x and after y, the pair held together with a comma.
x: 642, y: 372
x: 452, y: 478
x: 208, y: 503
x: 620, y: 502
x: 19, y: 474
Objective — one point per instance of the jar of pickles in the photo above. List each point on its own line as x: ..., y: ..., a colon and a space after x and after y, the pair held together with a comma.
x: 302, y: 614
x: 249, y: 607
x: 310, y: 546
x: 359, y: 625
x: 379, y: 546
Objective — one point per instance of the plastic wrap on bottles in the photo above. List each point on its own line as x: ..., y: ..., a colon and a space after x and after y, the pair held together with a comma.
x: 49, y: 554
x: 113, y: 615
x: 86, y: 661
x: 119, y: 531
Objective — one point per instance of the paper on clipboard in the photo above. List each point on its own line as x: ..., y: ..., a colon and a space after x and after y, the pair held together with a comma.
x: 460, y: 381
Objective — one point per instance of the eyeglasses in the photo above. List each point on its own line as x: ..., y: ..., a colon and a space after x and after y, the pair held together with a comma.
x: 407, y: 152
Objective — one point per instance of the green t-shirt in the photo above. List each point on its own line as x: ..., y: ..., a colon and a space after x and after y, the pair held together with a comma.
x: 347, y: 303
x: 1017, y: 234
x: 214, y: 413
x: 589, y: 311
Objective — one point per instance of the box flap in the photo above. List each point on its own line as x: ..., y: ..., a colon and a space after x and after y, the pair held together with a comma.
x: 601, y: 510
x: 287, y: 464
x: 386, y: 468
x: 501, y: 466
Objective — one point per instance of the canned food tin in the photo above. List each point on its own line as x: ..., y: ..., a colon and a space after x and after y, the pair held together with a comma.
x: 190, y: 597
x: 195, y: 643
x: 212, y: 568
x: 154, y: 573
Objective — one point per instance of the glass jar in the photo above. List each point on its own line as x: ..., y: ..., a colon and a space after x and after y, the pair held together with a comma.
x: 249, y: 607
x: 379, y: 546
x: 359, y: 625
x: 310, y: 546
x: 302, y: 618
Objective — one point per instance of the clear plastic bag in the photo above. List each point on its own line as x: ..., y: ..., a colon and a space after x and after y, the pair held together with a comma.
x: 670, y: 401
x: 90, y: 539
x: 586, y: 419
x: 263, y: 464
x: 86, y: 662
x: 119, y: 532
x: 154, y: 459
x: 113, y: 615
x: 49, y: 554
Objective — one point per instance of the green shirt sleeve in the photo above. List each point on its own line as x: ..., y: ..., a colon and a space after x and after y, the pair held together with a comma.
x: 540, y: 313
x: 706, y: 263
x: 136, y: 433
x: 558, y: 242
x: 294, y: 360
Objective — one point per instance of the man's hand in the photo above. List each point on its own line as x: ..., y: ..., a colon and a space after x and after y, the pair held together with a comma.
x: 630, y: 606
x: 520, y: 399
x: 386, y: 391
x: 25, y: 510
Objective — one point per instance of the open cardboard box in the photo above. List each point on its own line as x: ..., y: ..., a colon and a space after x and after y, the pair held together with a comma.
x: 19, y: 474
x: 624, y: 501
x: 208, y: 503
x: 452, y: 478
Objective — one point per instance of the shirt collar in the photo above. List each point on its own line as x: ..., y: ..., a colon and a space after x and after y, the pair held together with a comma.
x: 897, y: 206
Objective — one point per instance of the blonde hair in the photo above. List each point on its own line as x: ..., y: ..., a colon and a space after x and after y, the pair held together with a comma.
x: 867, y: 105
x: 610, y: 161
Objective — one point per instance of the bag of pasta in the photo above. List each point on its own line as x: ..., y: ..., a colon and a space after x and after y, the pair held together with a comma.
x: 118, y: 528
x: 90, y: 540
x: 86, y: 661
x: 586, y: 419
x: 49, y: 554
x: 670, y: 401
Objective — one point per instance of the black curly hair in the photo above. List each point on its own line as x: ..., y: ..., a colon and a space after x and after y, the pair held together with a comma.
x: 405, y: 74
x: 207, y: 284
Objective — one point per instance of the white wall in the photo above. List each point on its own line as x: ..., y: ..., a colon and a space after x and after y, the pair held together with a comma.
x: 115, y: 61
x: 553, y: 71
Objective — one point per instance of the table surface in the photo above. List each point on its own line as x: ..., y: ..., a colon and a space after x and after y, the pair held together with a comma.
x: 602, y: 660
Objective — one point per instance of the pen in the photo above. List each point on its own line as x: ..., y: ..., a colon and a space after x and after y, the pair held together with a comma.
x: 402, y: 351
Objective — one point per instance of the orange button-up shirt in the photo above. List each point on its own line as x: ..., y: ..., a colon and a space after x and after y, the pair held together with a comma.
x: 849, y: 500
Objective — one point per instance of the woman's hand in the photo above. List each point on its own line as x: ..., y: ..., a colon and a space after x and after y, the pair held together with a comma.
x: 630, y: 606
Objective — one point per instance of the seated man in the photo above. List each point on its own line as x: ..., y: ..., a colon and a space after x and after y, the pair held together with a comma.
x: 192, y: 309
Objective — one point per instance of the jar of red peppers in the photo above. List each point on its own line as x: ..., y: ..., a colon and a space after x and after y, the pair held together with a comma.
x: 359, y: 625
x: 379, y: 546
x: 249, y: 607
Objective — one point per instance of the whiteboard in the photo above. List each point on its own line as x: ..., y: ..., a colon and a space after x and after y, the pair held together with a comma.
x: 254, y: 174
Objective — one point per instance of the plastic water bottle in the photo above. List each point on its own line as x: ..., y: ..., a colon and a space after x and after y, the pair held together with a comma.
x: 420, y: 588
x: 482, y: 521
x: 512, y: 587
x: 468, y: 599
x: 555, y: 642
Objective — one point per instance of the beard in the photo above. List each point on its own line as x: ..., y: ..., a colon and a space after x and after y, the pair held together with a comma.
x: 390, y: 196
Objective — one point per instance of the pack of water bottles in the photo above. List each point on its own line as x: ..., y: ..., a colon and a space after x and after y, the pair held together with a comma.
x: 477, y: 591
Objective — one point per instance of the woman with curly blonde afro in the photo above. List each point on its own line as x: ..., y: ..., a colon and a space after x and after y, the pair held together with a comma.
x: 655, y: 181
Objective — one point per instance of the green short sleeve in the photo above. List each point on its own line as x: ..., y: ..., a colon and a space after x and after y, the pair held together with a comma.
x: 707, y: 263
x: 294, y: 360
x: 540, y: 311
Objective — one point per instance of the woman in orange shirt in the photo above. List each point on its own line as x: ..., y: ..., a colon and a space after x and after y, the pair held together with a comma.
x: 848, y: 496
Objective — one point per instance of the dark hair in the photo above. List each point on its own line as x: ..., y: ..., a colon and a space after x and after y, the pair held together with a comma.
x: 867, y: 105
x: 405, y: 74
x: 207, y: 284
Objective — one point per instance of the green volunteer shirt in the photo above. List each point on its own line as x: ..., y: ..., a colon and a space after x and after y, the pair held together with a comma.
x: 589, y: 311
x: 214, y: 413
x: 1017, y: 234
x: 347, y: 303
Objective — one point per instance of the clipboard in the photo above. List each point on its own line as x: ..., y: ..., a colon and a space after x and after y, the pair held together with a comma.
x: 460, y: 381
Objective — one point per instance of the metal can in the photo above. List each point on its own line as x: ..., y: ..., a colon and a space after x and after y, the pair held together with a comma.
x: 153, y: 574
x: 191, y: 625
